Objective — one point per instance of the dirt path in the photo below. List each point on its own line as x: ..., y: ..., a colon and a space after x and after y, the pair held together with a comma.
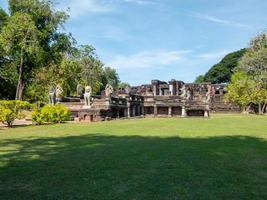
x: 22, y: 122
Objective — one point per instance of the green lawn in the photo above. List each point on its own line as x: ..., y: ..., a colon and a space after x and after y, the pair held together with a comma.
x: 224, y: 157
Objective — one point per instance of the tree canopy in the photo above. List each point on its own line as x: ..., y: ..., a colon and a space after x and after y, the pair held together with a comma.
x: 35, y: 53
x: 249, y: 82
x: 222, y: 71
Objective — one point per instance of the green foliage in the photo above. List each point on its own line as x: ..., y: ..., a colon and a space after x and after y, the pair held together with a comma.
x: 200, y: 79
x: 19, y: 34
x: 81, y: 67
x: 11, y: 110
x: 8, y: 73
x: 111, y: 77
x: 123, y: 85
x: 19, y: 38
x: 39, y: 55
x: 240, y: 89
x: 254, y: 62
x: 259, y: 42
x: 50, y: 114
x: 31, y: 39
x: 3, y: 17
x: 222, y: 72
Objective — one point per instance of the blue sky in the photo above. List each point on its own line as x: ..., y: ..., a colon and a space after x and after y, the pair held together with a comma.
x: 163, y: 39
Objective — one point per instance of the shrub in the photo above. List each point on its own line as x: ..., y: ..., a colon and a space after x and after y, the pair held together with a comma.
x: 50, y: 114
x: 11, y: 110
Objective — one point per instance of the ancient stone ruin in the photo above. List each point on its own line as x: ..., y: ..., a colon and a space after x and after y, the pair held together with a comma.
x: 158, y: 99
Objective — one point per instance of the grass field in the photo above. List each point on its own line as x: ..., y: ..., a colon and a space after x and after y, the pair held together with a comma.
x: 224, y: 157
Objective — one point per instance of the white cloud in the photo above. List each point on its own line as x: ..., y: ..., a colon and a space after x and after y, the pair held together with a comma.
x: 148, y: 59
x: 81, y: 7
x: 218, y: 20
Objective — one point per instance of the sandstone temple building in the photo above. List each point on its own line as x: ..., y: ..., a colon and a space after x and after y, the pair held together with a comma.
x: 158, y: 99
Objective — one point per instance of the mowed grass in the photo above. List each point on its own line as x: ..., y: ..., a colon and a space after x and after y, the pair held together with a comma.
x: 224, y: 157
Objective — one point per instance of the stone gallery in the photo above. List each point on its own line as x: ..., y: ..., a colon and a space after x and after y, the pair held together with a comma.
x: 158, y: 99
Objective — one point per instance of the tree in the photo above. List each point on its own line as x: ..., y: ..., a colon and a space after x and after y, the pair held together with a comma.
x: 111, y: 77
x: 259, y: 42
x: 200, y: 79
x: 19, y: 38
x: 222, y: 71
x: 35, y: 54
x: 11, y: 110
x: 241, y: 90
x: 254, y: 63
x: 91, y: 68
x: 45, y: 23
x: 3, y: 17
x: 124, y: 85
x: 7, y: 76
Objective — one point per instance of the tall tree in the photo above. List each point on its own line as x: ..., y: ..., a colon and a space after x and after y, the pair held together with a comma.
x: 20, y: 39
x: 45, y: 24
x: 111, y: 77
x: 240, y: 90
x: 254, y: 62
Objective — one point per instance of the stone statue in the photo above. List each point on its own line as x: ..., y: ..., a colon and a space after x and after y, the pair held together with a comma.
x: 79, y: 90
x: 51, y: 95
x: 127, y: 90
x: 188, y: 94
x: 208, y: 94
x: 108, y: 90
x: 183, y: 95
x: 87, y: 96
x: 59, y: 92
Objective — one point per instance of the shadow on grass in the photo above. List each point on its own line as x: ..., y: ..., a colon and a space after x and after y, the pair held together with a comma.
x: 108, y: 167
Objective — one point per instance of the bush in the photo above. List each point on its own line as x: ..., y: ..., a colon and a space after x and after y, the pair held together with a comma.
x: 50, y: 114
x: 11, y: 110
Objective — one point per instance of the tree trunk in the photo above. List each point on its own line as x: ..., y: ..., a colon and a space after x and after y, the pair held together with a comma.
x: 260, y: 111
x: 20, y: 85
x: 244, y: 110
x: 264, y: 108
x: 248, y: 108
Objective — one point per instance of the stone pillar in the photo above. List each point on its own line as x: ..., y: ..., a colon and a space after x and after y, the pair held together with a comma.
x: 184, y: 114
x: 134, y: 111
x: 171, y: 89
x: 170, y: 111
x: 155, y: 90
x: 126, y: 112
x: 137, y: 109
x: 142, y: 110
x: 160, y: 92
x: 206, y: 113
x: 108, y: 102
x: 155, y: 110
